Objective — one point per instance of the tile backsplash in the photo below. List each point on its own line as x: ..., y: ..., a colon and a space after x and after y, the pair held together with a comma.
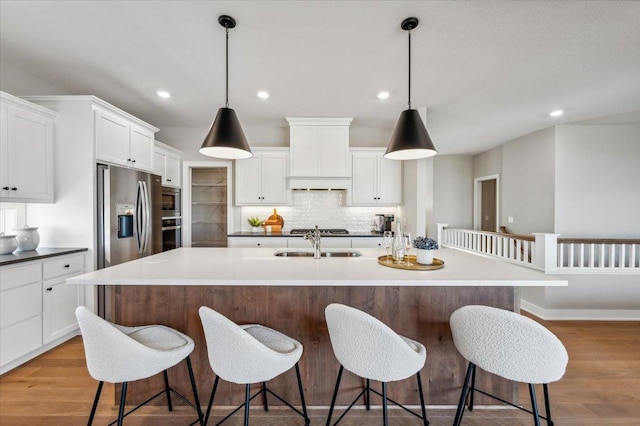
x: 326, y: 209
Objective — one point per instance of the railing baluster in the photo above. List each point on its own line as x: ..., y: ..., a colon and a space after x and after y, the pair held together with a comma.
x: 632, y: 258
x: 612, y: 256
x: 561, y: 263
x: 581, y: 260
x: 571, y: 255
x: 601, y: 260
x: 591, y: 255
x: 623, y: 259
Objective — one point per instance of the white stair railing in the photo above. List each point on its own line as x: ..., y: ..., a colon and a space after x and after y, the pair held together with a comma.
x: 598, y: 255
x: 548, y: 252
x: 511, y: 247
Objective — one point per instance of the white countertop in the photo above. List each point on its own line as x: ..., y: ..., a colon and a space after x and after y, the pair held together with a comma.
x: 258, y: 266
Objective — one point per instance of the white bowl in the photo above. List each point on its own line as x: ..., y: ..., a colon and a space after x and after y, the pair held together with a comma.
x: 8, y: 243
x: 28, y: 238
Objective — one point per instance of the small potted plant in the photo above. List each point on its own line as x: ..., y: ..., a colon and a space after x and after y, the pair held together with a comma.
x: 425, y: 247
x: 255, y: 223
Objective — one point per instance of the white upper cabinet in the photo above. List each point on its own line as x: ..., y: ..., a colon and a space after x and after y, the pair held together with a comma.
x: 319, y: 147
x: 262, y: 179
x: 376, y: 180
x: 26, y: 151
x: 167, y: 163
x: 122, y: 141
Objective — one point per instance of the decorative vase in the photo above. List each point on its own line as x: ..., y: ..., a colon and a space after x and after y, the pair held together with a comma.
x: 28, y: 238
x: 256, y: 229
x: 424, y: 257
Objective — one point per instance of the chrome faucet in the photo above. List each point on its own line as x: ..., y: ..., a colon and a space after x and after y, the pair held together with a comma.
x: 314, y: 238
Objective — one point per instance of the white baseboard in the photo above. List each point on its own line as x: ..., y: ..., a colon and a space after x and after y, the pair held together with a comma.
x: 581, y: 314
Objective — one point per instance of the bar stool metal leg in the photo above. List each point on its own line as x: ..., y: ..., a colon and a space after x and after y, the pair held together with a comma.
x: 300, y: 388
x: 385, y: 415
x: 264, y: 396
x: 335, y: 394
x: 425, y: 421
x: 195, y: 391
x: 368, y: 395
x: 534, y: 404
x: 167, y: 390
x: 463, y: 395
x: 95, y: 404
x: 213, y: 393
x: 247, y: 399
x: 547, y: 406
x: 123, y: 397
x: 473, y: 388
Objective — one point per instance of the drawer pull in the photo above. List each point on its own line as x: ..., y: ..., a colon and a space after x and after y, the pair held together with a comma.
x: 49, y: 288
x: 67, y: 265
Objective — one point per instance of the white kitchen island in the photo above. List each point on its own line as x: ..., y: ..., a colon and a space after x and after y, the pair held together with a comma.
x: 251, y: 285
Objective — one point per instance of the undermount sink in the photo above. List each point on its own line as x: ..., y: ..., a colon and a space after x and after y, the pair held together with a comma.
x: 299, y: 253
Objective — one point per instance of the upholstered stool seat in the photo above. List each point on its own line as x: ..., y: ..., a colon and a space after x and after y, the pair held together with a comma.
x: 508, y: 345
x: 370, y: 349
x: 248, y: 354
x: 120, y: 354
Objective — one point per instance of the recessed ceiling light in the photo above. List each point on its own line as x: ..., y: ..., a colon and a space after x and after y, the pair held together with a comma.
x: 163, y: 94
x: 263, y: 95
x: 383, y: 95
x: 556, y: 113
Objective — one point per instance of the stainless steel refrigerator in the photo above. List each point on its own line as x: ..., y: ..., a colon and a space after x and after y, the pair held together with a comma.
x: 129, y: 219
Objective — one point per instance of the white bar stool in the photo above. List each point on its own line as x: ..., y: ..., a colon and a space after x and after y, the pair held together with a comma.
x: 508, y: 345
x: 246, y: 354
x: 368, y: 348
x: 119, y: 354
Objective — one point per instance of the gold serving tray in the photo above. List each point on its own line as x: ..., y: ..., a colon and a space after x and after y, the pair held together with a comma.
x: 415, y: 266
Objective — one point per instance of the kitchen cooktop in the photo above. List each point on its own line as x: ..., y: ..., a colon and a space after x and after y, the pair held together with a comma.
x: 326, y: 231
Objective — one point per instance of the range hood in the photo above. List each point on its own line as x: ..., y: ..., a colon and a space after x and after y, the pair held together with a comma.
x: 319, y: 183
x: 319, y: 153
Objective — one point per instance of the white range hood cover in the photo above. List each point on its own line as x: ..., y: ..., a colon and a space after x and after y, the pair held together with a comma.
x: 318, y: 183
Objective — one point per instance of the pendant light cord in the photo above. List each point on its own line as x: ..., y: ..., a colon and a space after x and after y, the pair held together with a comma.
x: 226, y: 102
x: 409, y: 69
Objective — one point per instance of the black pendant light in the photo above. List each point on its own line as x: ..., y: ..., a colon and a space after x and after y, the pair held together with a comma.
x: 226, y: 139
x: 410, y: 140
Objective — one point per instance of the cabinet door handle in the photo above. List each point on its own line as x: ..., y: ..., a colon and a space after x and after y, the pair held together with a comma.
x: 49, y: 288
x: 258, y: 244
x: 14, y: 189
x: 168, y: 180
x: 67, y: 265
x: 6, y: 188
x: 133, y: 161
x: 128, y: 159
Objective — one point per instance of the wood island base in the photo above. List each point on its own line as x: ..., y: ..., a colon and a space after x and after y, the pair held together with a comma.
x: 420, y: 313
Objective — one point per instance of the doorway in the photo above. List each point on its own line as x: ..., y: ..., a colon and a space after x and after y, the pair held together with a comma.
x: 486, y: 205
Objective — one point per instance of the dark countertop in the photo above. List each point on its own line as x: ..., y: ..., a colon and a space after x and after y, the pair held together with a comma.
x: 40, y: 253
x: 287, y: 234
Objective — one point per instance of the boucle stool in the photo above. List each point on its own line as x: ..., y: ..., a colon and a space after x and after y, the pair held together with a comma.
x: 368, y: 348
x: 246, y: 354
x: 119, y: 354
x: 508, y: 345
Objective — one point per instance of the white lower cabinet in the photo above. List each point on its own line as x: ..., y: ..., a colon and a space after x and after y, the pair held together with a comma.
x: 37, y: 307
x: 301, y: 243
x: 325, y: 243
x: 245, y: 242
x: 367, y: 242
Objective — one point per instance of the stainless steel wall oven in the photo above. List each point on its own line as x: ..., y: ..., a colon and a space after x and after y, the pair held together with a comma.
x: 171, y: 219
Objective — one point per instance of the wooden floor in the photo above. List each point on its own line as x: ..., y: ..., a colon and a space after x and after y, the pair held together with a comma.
x: 601, y: 387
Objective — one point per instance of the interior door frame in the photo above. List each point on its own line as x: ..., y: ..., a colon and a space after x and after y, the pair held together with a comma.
x: 477, y: 200
x: 187, y: 166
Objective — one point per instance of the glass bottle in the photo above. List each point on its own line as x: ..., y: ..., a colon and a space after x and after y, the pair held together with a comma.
x: 398, y: 245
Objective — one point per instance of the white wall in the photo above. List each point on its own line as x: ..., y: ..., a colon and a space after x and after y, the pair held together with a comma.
x: 452, y: 191
x: 598, y: 181
x: 528, y: 182
x: 21, y: 83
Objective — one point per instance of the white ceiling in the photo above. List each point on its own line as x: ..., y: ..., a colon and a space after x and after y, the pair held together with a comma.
x: 487, y: 71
